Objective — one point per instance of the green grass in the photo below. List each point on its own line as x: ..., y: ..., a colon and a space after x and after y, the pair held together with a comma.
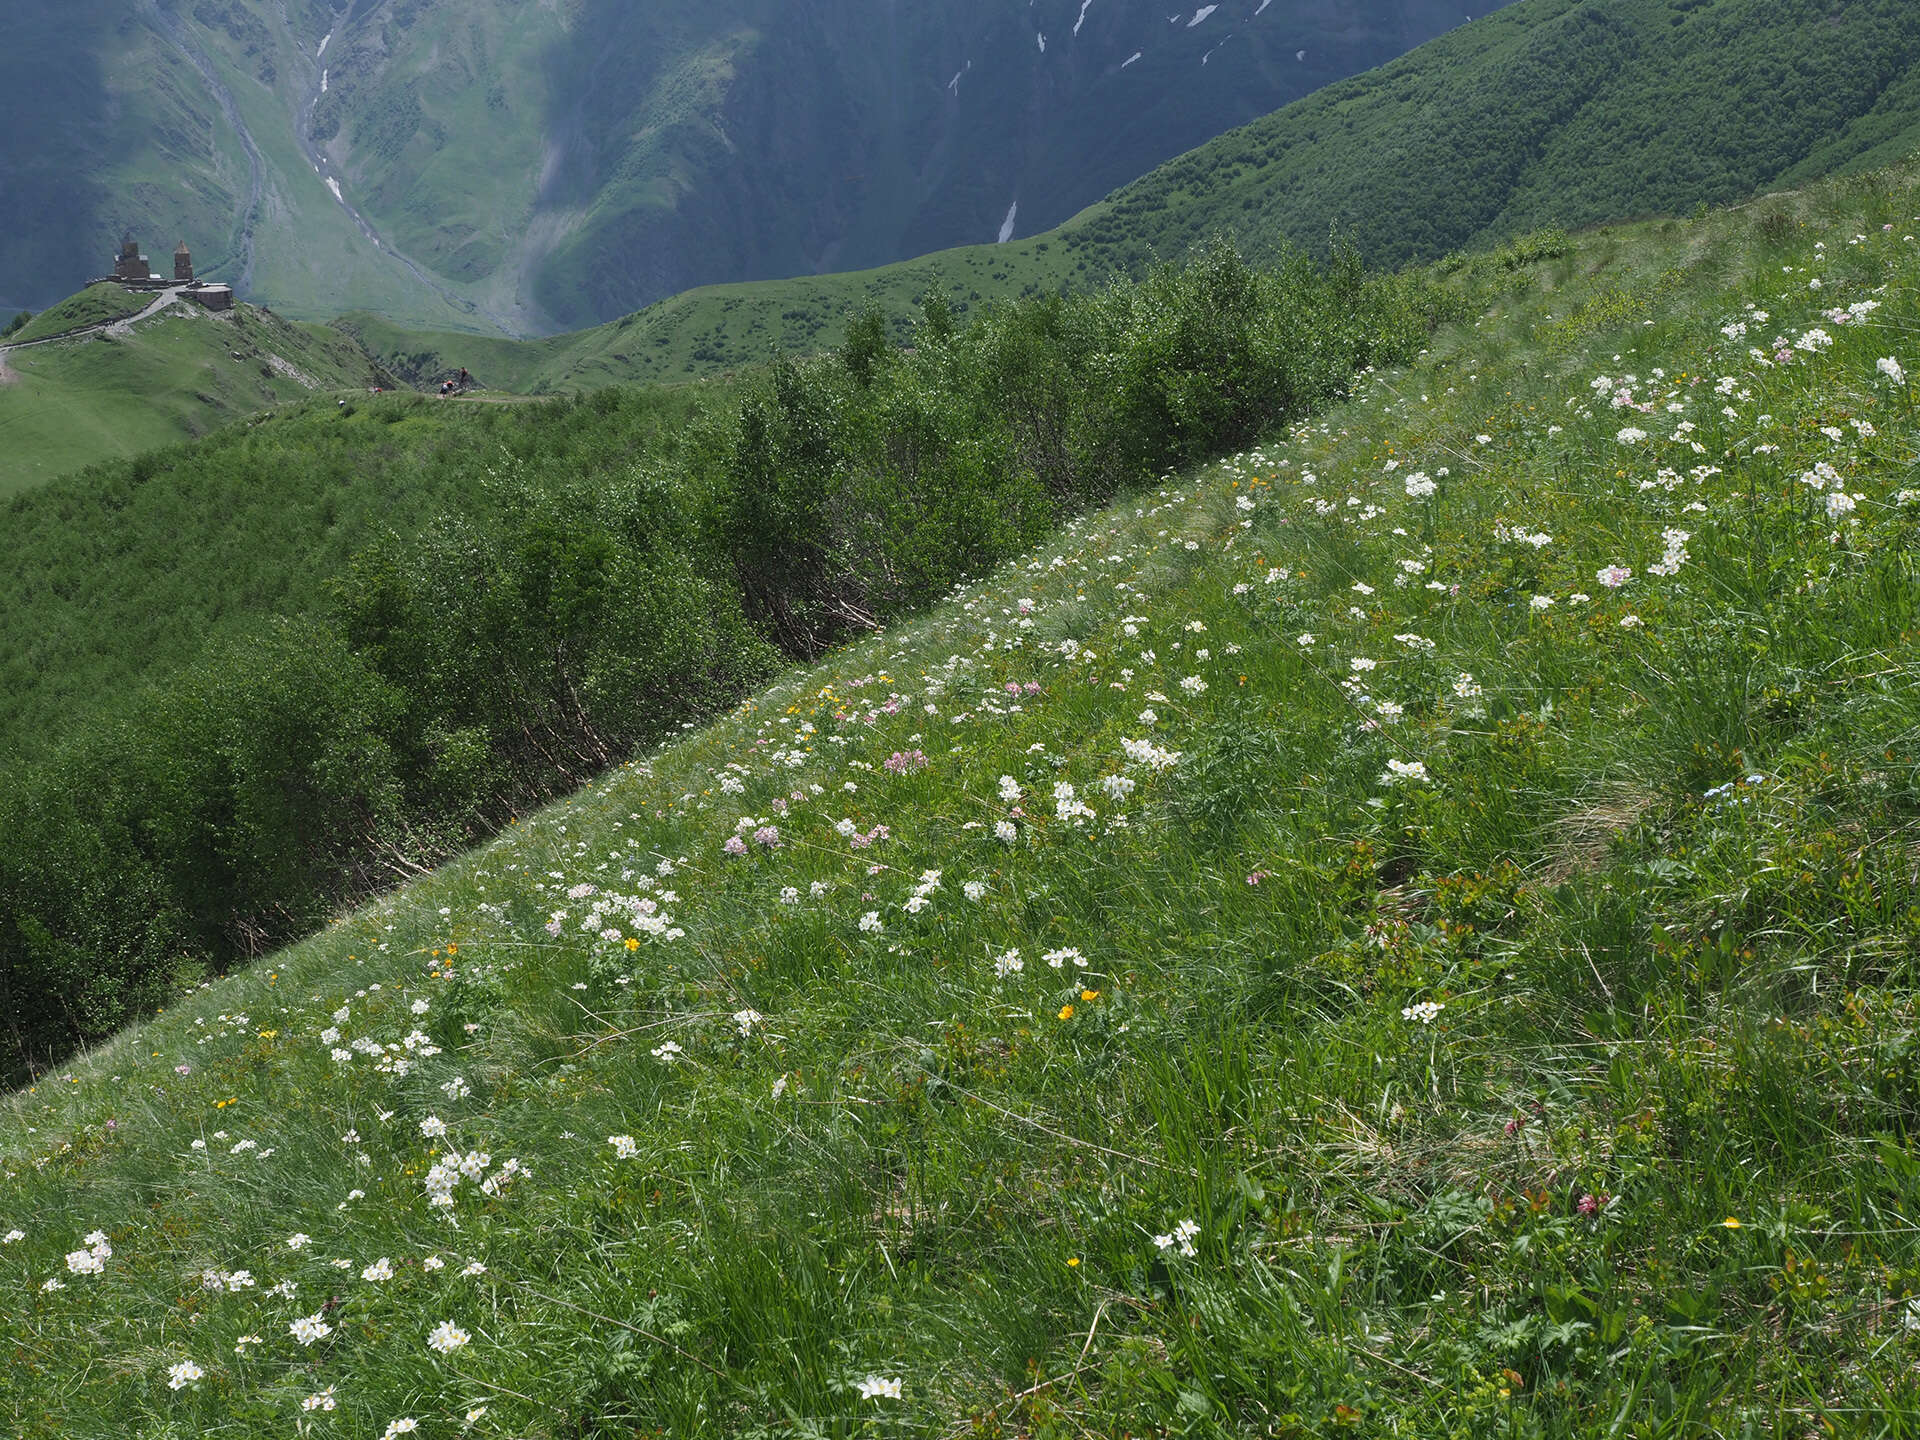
x: 95, y: 305
x: 1563, y: 1088
x: 182, y: 374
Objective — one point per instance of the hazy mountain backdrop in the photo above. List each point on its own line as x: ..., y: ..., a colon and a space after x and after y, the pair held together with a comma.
x: 531, y: 165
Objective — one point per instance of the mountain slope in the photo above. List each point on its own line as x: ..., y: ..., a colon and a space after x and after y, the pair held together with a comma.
x: 1542, y: 114
x: 503, y: 166
x: 1408, y: 930
x: 176, y: 123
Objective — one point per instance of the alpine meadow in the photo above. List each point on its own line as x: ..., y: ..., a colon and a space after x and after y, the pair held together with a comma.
x: 1291, y: 809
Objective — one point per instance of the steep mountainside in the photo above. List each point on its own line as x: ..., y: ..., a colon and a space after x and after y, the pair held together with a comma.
x: 1569, y: 112
x: 1552, y: 111
x: 499, y: 165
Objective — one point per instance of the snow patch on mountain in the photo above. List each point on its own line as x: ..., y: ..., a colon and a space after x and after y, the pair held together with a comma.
x: 1085, y: 5
x: 1006, y: 225
x: 1202, y: 13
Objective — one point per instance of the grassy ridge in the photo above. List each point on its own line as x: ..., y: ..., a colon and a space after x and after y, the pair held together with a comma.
x: 727, y: 327
x: 94, y: 305
x: 1538, y: 115
x: 1476, y: 999
x: 184, y: 373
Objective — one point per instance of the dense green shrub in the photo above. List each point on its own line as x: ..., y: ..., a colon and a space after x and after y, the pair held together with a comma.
x: 531, y: 650
x: 860, y: 486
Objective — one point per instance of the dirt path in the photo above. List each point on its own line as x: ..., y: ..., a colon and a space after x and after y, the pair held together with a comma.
x: 120, y: 329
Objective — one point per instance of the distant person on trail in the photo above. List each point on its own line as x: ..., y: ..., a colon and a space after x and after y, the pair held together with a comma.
x: 465, y: 381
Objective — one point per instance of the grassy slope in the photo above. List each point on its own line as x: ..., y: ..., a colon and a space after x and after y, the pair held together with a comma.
x: 1641, y: 1166
x: 72, y: 404
x: 94, y: 305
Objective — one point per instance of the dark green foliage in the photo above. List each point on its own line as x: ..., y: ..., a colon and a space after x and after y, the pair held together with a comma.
x: 17, y: 323
x: 866, y: 345
x: 936, y: 318
x: 532, y: 649
x: 224, y: 816
x: 1220, y: 352
x: 859, y: 488
x: 780, y: 472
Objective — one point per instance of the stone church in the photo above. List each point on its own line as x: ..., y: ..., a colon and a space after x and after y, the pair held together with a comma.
x: 131, y: 270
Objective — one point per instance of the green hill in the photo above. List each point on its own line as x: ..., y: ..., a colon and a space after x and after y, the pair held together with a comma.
x: 95, y: 305
x: 65, y: 404
x: 1406, y: 929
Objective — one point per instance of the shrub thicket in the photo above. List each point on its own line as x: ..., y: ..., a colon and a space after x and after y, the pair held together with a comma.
x: 579, y: 600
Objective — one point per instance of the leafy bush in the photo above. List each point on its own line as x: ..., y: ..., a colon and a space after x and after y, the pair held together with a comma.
x: 862, y: 485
